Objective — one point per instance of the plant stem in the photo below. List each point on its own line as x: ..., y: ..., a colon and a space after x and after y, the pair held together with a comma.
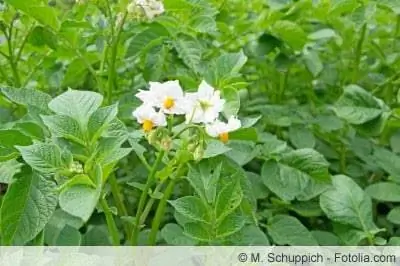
x: 359, y: 53
x: 150, y: 204
x: 143, y: 197
x: 17, y: 80
x: 116, y: 192
x: 114, y: 49
x: 112, y: 227
x: 160, y: 212
x: 25, y: 40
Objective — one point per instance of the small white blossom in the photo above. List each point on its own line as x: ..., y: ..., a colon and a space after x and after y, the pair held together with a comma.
x: 221, y: 129
x: 149, y: 118
x: 150, y: 8
x: 167, y: 96
x: 204, y: 105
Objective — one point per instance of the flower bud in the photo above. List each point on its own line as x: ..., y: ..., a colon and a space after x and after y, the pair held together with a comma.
x: 166, y: 143
x: 198, y: 153
x: 76, y: 168
x: 192, y: 147
x: 153, y: 137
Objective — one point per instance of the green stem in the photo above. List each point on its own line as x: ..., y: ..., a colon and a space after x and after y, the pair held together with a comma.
x: 160, y: 212
x: 112, y: 227
x: 143, y: 197
x: 114, y: 49
x: 150, y: 204
x: 116, y: 192
x: 17, y: 80
x: 359, y: 53
x: 24, y: 41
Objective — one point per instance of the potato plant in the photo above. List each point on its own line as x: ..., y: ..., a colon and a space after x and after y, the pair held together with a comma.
x: 199, y: 122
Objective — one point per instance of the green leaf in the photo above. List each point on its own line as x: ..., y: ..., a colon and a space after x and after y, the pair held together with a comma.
x: 146, y: 39
x: 11, y: 137
x: 272, y: 145
x: 384, y: 191
x: 228, y: 199
x: 204, y: 23
x: 97, y: 235
x: 109, y: 152
x: 242, y: 152
x: 388, y: 161
x: 358, y: 106
x: 173, y: 235
x: 81, y: 200
x: 230, y: 225
x: 8, y: 170
x: 204, y: 179
x: 41, y: 36
x: 27, y: 206
x: 301, y: 137
x: 306, y: 161
x: 191, y: 207
x: 43, y: 157
x: 80, y: 179
x: 232, y: 104
x: 29, y: 97
x: 43, y: 14
x: 290, y: 32
x: 57, y: 223
x: 226, y: 66
x: 76, y: 73
x: 394, y: 216
x: 79, y: 105
x: 100, y: 120
x: 68, y: 236
x: 326, y: 238
x: 189, y: 50
x: 65, y: 127
x: 313, y: 62
x: 322, y: 34
x: 215, y: 148
x: 197, y: 231
x: 392, y: 5
x: 31, y: 130
x: 295, y: 172
x: 347, y: 203
x: 394, y: 241
x: 287, y: 230
x: 249, y: 235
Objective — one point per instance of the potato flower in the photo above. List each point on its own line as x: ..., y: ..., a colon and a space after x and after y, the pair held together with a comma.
x: 149, y: 117
x: 150, y: 8
x: 221, y: 129
x: 204, y: 105
x: 167, y: 96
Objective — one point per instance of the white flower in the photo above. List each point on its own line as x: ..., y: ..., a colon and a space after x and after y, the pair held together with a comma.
x: 150, y: 8
x: 204, y: 105
x: 167, y: 96
x: 149, y: 118
x: 221, y: 129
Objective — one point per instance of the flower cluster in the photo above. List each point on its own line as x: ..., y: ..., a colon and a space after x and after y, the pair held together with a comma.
x: 201, y: 107
x: 148, y: 8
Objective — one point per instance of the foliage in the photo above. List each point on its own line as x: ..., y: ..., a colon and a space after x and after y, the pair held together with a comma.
x: 313, y: 158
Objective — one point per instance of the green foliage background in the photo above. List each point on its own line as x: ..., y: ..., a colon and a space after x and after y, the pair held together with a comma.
x: 315, y: 83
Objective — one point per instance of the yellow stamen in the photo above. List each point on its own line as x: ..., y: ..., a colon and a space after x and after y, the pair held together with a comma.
x: 147, y: 125
x: 169, y: 103
x: 224, y: 137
